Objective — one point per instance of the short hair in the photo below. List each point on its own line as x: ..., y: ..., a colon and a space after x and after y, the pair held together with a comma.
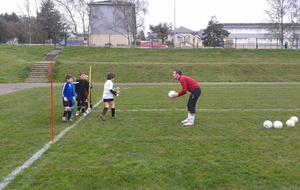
x: 81, y: 73
x: 178, y: 72
x: 68, y: 76
x: 110, y: 76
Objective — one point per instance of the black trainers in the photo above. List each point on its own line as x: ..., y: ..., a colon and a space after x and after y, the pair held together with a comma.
x: 102, y: 117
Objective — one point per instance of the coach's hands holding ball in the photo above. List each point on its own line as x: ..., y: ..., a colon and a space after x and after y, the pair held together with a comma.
x: 175, y: 95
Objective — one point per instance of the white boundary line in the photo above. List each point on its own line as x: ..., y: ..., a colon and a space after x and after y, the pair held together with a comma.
x: 207, y: 110
x: 38, y: 154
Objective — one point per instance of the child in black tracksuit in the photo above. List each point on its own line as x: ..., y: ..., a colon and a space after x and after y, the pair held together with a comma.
x: 82, y: 89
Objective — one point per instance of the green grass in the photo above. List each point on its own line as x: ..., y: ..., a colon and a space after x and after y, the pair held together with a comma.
x: 148, y: 148
x: 156, y: 65
x: 210, y: 72
x: 15, y: 60
x: 119, y: 55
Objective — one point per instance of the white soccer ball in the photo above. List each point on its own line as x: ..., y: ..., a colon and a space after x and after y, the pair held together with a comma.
x: 268, y: 124
x: 277, y: 124
x: 290, y: 123
x: 294, y: 118
x: 171, y: 93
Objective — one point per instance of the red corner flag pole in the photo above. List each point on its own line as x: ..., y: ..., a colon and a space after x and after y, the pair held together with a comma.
x: 51, y: 100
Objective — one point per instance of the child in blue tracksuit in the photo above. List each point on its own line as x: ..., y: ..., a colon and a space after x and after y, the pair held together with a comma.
x: 67, y: 97
x: 73, y: 100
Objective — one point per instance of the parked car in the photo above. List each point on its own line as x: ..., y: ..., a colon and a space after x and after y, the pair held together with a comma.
x: 71, y: 42
x: 152, y: 45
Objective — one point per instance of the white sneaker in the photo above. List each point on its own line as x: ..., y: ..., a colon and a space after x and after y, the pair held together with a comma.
x: 64, y: 119
x: 77, y: 113
x: 84, y: 114
x: 185, y: 121
x: 189, y: 123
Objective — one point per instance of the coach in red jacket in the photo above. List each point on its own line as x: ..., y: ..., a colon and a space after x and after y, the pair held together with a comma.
x: 190, y: 85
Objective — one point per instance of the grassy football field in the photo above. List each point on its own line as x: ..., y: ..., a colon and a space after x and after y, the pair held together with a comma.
x: 147, y: 147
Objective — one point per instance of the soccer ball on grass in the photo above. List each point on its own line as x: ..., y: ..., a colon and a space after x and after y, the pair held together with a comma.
x: 294, y: 118
x: 277, y: 124
x: 290, y: 123
x: 268, y: 124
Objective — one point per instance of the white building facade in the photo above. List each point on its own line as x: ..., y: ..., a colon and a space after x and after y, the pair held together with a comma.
x: 256, y: 36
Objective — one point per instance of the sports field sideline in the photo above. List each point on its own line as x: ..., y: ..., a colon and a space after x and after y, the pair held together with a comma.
x: 6, y: 88
x: 147, y: 147
x: 227, y: 149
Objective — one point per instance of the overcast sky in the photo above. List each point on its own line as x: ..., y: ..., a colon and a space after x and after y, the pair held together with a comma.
x: 192, y: 14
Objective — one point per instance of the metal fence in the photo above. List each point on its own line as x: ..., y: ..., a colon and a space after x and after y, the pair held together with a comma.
x: 261, y: 44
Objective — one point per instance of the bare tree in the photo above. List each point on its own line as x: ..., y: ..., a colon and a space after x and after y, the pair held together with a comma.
x: 27, y: 13
x: 83, y: 10
x: 279, y: 14
x: 141, y: 10
x: 77, y: 11
x: 128, y: 17
x: 125, y: 18
x: 70, y: 12
x: 37, y: 5
x: 295, y: 18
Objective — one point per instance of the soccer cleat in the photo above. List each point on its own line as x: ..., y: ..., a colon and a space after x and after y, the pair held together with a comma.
x: 115, y: 117
x: 71, y: 119
x: 189, y: 123
x: 185, y: 121
x: 64, y: 119
x: 102, y: 117
x: 84, y: 114
x: 77, y: 113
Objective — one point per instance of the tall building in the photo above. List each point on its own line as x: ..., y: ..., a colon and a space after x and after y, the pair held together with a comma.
x: 112, y: 23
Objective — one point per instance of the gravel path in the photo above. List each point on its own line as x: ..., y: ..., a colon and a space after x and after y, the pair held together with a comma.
x: 6, y: 88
